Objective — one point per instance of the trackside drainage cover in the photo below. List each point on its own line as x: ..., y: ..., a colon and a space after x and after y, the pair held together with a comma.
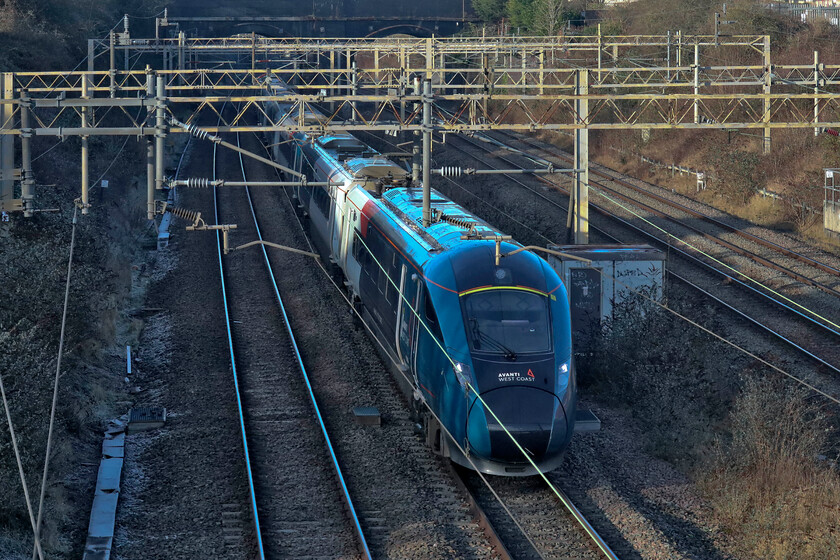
x: 586, y: 421
x: 367, y: 415
x: 143, y: 418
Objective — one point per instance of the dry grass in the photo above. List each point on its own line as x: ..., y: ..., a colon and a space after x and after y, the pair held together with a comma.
x: 767, y: 486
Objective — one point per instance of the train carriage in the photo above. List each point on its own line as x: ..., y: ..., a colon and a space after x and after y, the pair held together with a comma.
x: 447, y: 315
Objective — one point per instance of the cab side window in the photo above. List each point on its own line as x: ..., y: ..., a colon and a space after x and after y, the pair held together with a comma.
x: 430, y: 316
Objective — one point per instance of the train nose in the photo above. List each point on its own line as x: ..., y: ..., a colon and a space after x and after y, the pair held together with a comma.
x: 530, y: 415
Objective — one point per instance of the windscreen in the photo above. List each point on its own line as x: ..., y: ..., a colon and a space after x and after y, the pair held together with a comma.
x: 507, y: 321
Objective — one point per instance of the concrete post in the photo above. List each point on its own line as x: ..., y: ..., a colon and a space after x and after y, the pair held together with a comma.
x: 427, y: 153
x: 85, y: 170
x: 581, y: 219
x: 160, y: 132
x: 27, y: 182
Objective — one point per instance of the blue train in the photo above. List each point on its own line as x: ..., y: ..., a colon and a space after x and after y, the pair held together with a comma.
x: 447, y: 315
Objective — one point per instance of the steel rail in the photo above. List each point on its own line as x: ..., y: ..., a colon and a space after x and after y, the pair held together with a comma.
x: 687, y: 256
x: 229, y: 329
x: 345, y: 490
x: 697, y: 214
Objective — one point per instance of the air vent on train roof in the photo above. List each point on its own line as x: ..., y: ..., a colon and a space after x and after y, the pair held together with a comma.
x: 377, y: 173
x: 344, y: 146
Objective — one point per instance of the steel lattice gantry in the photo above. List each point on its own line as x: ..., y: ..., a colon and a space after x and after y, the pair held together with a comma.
x: 474, y: 84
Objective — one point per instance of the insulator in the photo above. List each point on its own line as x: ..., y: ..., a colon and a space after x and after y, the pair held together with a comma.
x: 459, y: 222
x: 199, y: 133
x: 451, y: 171
x: 200, y: 183
x: 183, y: 213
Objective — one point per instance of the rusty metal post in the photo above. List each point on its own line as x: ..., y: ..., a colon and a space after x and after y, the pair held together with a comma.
x: 160, y: 131
x: 85, y: 170
x: 112, y: 66
x: 600, y: 50
x: 331, y: 91
x: 581, y: 202
x: 354, y: 89
x: 427, y: 153
x: 696, y: 83
x: 91, y: 56
x: 347, y: 77
x: 7, y: 145
x: 253, y: 50
x: 27, y: 182
x: 430, y: 58
x: 542, y: 69
x: 416, y: 161
x: 182, y: 46
x: 818, y: 68
x: 126, y: 41
x: 768, y: 80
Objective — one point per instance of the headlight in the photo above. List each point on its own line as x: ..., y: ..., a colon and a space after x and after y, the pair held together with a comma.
x: 564, y: 368
x: 463, y: 373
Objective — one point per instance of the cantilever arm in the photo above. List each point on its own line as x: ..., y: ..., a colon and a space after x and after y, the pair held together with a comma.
x: 550, y: 251
x: 276, y: 246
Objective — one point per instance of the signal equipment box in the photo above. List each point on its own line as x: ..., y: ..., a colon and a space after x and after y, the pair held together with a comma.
x: 831, y: 206
x: 617, y: 273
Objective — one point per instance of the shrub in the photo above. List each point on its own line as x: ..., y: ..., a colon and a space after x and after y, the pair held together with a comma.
x: 767, y: 485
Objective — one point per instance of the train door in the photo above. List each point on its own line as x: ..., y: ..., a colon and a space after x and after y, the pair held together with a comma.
x: 407, y: 318
x: 338, y: 224
x: 403, y: 348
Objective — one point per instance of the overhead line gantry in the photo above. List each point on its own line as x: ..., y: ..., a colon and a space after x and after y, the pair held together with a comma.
x: 474, y: 84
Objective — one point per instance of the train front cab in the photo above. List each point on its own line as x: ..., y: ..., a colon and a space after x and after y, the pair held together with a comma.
x: 507, y: 330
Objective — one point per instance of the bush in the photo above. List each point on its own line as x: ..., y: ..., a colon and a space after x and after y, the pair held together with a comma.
x: 674, y: 378
x: 737, y: 174
x: 766, y: 484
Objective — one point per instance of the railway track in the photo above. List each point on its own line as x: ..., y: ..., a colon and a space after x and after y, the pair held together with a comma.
x: 801, y: 332
x: 813, y: 273
x: 808, y: 334
x: 535, y: 506
x: 541, y: 529
x: 300, y: 505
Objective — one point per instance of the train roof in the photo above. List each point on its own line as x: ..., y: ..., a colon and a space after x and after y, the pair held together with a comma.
x: 450, y: 222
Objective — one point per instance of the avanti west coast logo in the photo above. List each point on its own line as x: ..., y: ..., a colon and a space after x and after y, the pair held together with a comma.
x: 516, y: 376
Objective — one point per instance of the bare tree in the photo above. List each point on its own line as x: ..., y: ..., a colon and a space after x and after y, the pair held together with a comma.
x: 548, y: 16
